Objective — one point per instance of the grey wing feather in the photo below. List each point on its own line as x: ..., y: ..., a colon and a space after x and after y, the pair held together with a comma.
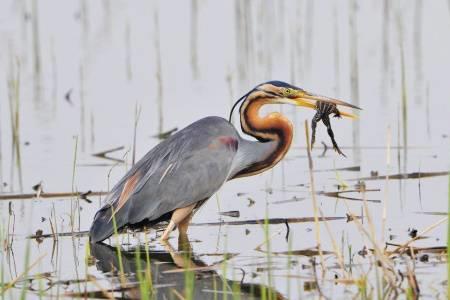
x: 195, y: 178
x: 188, y: 167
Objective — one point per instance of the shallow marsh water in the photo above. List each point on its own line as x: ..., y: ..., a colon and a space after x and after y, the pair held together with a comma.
x: 80, y: 71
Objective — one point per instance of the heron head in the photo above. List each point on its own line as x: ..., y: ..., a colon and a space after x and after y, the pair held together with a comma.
x: 279, y: 92
x: 285, y: 93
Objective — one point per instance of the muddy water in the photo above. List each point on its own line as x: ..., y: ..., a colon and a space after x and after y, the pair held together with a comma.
x: 86, y: 68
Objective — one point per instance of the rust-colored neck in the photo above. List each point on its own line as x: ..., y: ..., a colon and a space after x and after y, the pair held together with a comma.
x: 274, y: 127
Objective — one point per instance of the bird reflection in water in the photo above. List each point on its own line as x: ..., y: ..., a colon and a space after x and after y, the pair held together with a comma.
x: 168, y: 278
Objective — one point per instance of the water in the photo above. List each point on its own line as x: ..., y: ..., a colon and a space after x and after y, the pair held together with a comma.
x: 88, y: 65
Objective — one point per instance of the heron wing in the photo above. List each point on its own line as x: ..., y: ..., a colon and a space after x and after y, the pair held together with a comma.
x: 193, y: 178
x: 188, y: 167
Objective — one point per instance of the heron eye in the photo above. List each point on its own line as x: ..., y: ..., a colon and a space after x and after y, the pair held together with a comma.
x: 288, y: 91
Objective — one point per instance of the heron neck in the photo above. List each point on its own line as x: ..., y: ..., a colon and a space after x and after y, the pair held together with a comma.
x: 274, y: 133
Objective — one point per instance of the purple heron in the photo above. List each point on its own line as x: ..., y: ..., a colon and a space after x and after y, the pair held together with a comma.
x: 179, y: 174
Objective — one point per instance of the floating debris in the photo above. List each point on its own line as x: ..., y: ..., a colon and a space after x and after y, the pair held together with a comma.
x: 363, y: 252
x: 103, y: 154
x: 38, y: 236
x: 412, y: 233
x: 424, y: 258
x: 349, y: 169
x: 418, y: 250
x: 414, y: 175
x: 304, y: 252
x: 338, y: 195
x: 59, y: 234
x: 38, y: 189
x: 360, y: 185
x: 350, y: 217
x: 293, y: 199
x: 67, y: 97
x: 83, y: 196
x: 101, y: 294
x: 232, y: 223
x: 341, y: 187
x: 432, y: 213
x: 288, y: 230
x: 392, y: 237
x: 166, y: 134
x: 47, y: 195
x: 269, y: 221
x: 310, y: 286
x: 269, y: 190
x: 231, y: 213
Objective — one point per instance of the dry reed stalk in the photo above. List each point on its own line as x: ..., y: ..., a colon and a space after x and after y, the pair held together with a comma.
x: 313, y: 195
x: 418, y: 69
x: 137, y: 114
x: 412, y: 279
x: 54, y: 74
x: 82, y: 110
x: 14, y: 109
x: 158, y: 75
x: 1, y: 154
x: 105, y: 293
x: 267, y: 240
x: 309, y: 21
x: 36, y: 39
x: 336, y: 250
x: 129, y: 71
x: 72, y: 214
x: 385, y: 50
x: 404, y: 97
x: 354, y: 73
x: 178, y: 294
x: 194, y: 38
x: 386, y: 193
x: 385, y: 262
x: 372, y: 233
x: 336, y: 48
x: 50, y: 195
x: 15, y: 280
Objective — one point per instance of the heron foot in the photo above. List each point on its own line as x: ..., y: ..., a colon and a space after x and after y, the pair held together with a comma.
x: 184, y: 225
x: 180, y: 218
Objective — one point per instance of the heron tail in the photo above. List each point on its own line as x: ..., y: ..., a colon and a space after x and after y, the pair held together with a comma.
x: 103, y: 225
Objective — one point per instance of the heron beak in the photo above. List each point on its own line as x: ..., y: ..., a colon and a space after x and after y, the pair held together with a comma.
x: 306, y: 99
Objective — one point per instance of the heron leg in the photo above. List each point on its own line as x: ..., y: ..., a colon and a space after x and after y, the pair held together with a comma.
x: 178, y: 216
x: 184, y: 224
x: 183, y: 239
